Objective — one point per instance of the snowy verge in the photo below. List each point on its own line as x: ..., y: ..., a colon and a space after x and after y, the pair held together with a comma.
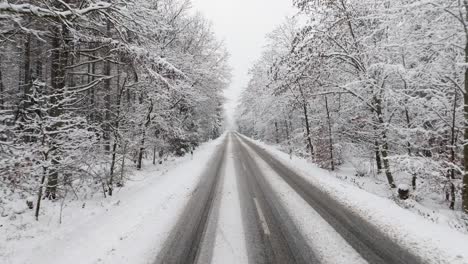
x: 129, y: 227
x: 435, y: 243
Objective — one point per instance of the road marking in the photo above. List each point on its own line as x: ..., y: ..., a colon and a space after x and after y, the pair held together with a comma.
x: 266, y: 230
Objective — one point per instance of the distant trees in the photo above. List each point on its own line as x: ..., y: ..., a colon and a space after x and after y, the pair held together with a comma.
x: 377, y: 79
x: 87, y: 85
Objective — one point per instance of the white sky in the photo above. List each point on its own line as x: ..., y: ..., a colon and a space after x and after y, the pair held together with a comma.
x: 243, y: 24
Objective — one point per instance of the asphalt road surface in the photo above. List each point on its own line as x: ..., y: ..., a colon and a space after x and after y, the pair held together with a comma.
x: 270, y: 235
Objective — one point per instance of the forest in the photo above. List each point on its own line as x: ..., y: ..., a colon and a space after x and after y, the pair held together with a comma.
x: 90, y: 89
x: 229, y: 131
x: 380, y: 84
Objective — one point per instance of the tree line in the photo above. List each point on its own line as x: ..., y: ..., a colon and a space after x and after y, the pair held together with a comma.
x: 385, y: 81
x: 90, y: 88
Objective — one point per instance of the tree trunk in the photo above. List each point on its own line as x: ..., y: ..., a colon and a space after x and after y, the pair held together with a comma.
x: 451, y: 175
x: 384, y: 143
x: 452, y: 195
x: 330, y: 137
x: 453, y: 135
x: 27, y: 80
x: 288, y: 125
x: 59, y: 60
x: 288, y: 137
x: 122, y: 171
x: 308, y: 136
x: 276, y: 133
x: 110, y: 183
x: 407, y: 115
x: 386, y: 162
x: 20, y: 63
x: 39, y: 195
x: 408, y: 124
x: 107, y: 99
x: 465, y: 143
x: 27, y: 67
x: 93, y: 93
x: 307, y: 125
x: 2, y: 89
x: 38, y: 63
x: 141, y: 151
x: 465, y: 108
x: 378, y: 159
x: 116, y: 136
x: 143, y: 136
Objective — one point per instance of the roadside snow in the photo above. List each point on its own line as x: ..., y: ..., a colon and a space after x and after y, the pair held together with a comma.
x: 230, y: 236
x: 129, y: 227
x: 435, y: 243
x: 327, y: 244
x: 426, y: 201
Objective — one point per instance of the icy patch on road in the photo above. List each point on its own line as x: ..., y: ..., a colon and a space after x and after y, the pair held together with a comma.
x: 328, y: 246
x: 230, y: 235
x: 434, y: 243
x: 132, y: 229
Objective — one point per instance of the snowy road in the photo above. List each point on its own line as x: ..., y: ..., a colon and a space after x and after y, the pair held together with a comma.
x: 250, y: 208
x: 235, y: 201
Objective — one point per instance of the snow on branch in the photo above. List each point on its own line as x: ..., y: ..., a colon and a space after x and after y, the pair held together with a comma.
x: 29, y: 9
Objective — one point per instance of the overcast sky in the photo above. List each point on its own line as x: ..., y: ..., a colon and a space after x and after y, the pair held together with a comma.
x: 243, y: 24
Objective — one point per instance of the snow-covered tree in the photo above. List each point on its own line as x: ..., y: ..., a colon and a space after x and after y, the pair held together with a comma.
x: 113, y: 81
x: 382, y: 80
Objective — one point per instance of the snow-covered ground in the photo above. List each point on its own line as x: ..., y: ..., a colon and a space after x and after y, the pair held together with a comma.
x: 129, y: 227
x: 427, y: 202
x: 437, y: 242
